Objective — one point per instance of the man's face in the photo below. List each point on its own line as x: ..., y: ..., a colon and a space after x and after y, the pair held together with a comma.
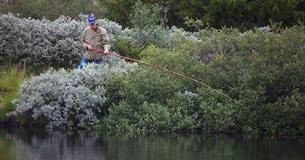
x: 93, y: 25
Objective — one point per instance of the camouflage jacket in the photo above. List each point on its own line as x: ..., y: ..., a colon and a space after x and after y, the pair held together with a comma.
x: 97, y: 39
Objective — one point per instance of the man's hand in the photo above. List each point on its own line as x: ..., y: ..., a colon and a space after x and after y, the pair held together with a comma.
x: 106, y: 51
x: 89, y: 47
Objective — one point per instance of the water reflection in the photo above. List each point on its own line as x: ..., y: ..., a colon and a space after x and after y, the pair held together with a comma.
x: 29, y: 145
x: 6, y: 148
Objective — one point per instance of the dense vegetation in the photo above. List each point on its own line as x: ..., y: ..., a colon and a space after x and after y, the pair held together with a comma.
x: 190, y: 14
x: 215, y: 13
x: 262, y: 69
x: 50, y: 9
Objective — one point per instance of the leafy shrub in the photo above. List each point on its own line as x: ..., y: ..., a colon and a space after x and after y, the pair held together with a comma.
x: 150, y: 117
x: 217, y: 112
x: 258, y: 72
x: 68, y: 99
x: 164, y: 57
x: 216, y: 13
x: 131, y: 43
x: 148, y: 25
x: 183, y: 110
x: 288, y: 115
x: 251, y: 13
x: 127, y: 47
x: 120, y: 119
x: 254, y: 68
x: 179, y: 39
x: 177, y: 61
x: 144, y: 85
x: 145, y: 118
x: 147, y: 101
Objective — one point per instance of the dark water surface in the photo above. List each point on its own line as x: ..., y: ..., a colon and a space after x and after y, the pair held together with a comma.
x: 29, y: 145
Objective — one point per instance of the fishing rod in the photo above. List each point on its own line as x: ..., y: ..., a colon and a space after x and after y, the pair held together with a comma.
x: 164, y: 69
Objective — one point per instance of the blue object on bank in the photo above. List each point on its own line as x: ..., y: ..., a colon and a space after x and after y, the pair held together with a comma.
x: 84, y: 62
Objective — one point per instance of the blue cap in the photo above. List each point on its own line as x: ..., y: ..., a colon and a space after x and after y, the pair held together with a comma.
x: 91, y: 19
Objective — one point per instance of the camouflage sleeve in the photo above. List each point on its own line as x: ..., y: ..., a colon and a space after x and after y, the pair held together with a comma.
x: 83, y: 38
x: 105, y: 40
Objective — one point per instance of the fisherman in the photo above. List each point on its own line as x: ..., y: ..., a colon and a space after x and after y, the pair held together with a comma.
x: 94, y: 37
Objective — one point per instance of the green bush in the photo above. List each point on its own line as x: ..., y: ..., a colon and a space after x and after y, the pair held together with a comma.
x: 148, y: 25
x: 176, y: 114
x: 251, y: 13
x: 145, y: 118
x: 127, y: 47
x: 184, y: 111
x: 147, y: 101
x: 120, y: 119
x: 289, y: 114
x: 143, y: 85
x: 217, y: 112
x: 267, y: 67
x: 257, y: 68
x: 217, y: 13
x: 118, y: 10
x: 153, y: 118
x: 177, y: 61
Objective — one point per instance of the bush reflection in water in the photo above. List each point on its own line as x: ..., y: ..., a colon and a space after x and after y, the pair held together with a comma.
x: 28, y: 145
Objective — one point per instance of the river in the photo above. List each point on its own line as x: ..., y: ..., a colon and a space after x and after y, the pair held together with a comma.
x: 40, y: 145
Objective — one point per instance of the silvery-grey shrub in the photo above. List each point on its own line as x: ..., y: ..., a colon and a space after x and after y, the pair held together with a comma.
x: 177, y: 37
x: 40, y: 42
x: 68, y: 99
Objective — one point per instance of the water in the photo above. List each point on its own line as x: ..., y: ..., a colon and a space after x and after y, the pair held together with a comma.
x: 29, y: 145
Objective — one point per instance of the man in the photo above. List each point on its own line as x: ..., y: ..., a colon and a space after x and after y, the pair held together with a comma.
x: 94, y: 37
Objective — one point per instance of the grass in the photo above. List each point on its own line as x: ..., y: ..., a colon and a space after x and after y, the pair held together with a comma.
x: 10, y: 80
